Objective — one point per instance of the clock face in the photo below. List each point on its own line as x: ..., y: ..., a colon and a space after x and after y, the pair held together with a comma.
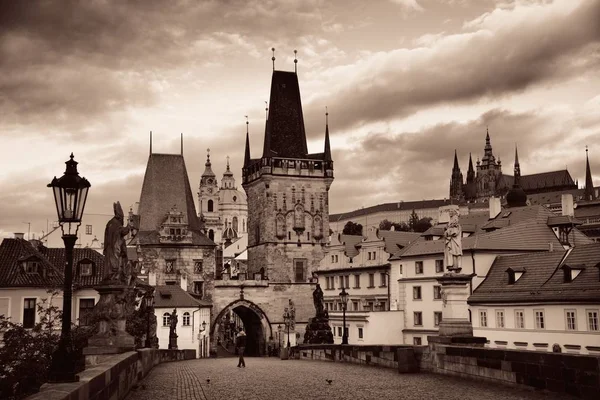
x: 209, y: 181
x: 209, y: 190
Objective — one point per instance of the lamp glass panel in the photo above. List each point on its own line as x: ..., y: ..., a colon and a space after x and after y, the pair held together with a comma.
x: 81, y: 203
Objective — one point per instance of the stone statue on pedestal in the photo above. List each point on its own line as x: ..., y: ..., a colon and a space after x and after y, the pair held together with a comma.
x: 173, y: 330
x: 453, y: 243
x: 318, y: 330
x: 115, y: 248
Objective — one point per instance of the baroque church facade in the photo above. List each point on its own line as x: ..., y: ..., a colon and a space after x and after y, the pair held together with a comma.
x: 487, y: 180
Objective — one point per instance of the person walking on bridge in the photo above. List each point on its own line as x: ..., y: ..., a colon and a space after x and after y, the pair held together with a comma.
x: 240, y: 344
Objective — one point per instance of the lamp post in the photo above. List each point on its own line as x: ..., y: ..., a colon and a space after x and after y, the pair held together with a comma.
x: 70, y: 194
x: 287, y: 319
x: 344, y: 302
x: 149, y: 302
x: 279, y: 330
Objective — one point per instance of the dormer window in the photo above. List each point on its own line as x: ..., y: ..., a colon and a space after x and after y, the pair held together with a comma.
x: 514, y: 274
x: 571, y: 272
x: 32, y: 267
x: 85, y: 269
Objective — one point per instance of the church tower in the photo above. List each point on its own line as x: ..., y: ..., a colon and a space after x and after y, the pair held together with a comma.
x: 489, y: 172
x: 456, y: 181
x: 208, y: 202
x: 588, y: 193
x: 470, y: 188
x: 287, y: 190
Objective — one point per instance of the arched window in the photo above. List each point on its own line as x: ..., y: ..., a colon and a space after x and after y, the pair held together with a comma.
x: 211, y: 234
x: 235, y: 223
x: 243, y: 225
x: 166, y: 318
x: 186, y: 319
x: 210, y: 206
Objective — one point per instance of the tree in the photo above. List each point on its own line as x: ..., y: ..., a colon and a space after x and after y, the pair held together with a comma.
x: 413, y: 220
x: 352, y: 228
x: 387, y: 225
x: 423, y: 224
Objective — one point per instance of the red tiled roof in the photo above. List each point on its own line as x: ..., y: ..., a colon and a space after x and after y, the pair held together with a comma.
x: 12, y: 251
x: 173, y: 296
x: 543, y: 279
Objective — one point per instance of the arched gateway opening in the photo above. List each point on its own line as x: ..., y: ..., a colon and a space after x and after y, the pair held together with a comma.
x: 242, y: 314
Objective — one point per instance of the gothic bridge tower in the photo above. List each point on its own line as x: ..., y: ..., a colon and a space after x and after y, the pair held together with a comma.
x: 287, y: 189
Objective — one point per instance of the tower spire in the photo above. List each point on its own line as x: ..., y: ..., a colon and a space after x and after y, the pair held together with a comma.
x: 516, y: 196
x: 456, y: 181
x: 588, y: 193
x: 295, y: 62
x: 456, y: 167
x: 273, y: 58
x: 247, y: 153
x: 327, y: 152
x: 517, y: 167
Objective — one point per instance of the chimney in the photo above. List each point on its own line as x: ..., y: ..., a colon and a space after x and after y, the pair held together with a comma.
x: 567, y: 205
x: 495, y: 207
x: 184, y: 282
x: 19, y: 235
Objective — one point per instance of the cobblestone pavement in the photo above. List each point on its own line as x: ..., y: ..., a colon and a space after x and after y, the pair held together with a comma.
x: 271, y: 378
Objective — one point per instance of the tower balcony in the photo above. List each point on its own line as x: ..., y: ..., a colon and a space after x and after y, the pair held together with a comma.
x: 288, y: 167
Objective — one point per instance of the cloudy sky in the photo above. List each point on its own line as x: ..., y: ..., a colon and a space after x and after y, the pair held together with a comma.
x: 405, y: 81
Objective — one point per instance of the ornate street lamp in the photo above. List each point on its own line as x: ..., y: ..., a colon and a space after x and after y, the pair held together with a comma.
x: 287, y: 320
x: 344, y: 302
x: 279, y: 331
x: 70, y: 194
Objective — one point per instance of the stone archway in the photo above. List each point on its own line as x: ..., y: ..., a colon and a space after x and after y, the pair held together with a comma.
x: 256, y: 325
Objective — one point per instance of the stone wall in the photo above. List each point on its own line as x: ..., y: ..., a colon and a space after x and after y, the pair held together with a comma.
x: 577, y: 375
x: 114, y: 377
x: 403, y: 358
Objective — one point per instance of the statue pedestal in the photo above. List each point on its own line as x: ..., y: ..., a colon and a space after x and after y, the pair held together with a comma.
x: 112, y: 337
x: 173, y: 341
x: 318, y: 331
x: 455, y: 314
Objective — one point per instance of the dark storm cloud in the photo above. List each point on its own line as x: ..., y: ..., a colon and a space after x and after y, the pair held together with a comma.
x: 506, y: 57
x: 418, y: 165
x: 65, y: 63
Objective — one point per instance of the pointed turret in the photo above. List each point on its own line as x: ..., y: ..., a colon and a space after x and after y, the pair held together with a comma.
x: 488, y: 155
x: 516, y: 196
x: 247, y: 153
x: 456, y: 181
x: 208, y: 172
x: 470, y: 171
x: 456, y: 167
x: 588, y: 193
x: 327, y: 151
x: 517, y: 168
x: 228, y: 181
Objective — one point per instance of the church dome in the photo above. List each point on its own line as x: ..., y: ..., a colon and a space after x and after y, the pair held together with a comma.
x: 232, y: 197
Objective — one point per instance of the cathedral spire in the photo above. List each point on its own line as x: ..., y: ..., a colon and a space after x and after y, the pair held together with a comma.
x: 456, y: 167
x: 517, y: 167
x: 470, y: 171
x: 247, y: 153
x: 516, y: 196
x: 488, y: 155
x: 456, y: 181
x: 588, y: 193
x: 327, y: 152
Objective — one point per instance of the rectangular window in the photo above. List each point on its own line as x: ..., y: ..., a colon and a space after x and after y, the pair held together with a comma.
x: 437, y: 318
x: 571, y: 317
x: 339, y: 331
x: 85, y: 269
x: 371, y: 280
x: 31, y: 267
x: 360, y: 333
x: 383, y: 278
x: 539, y: 319
x: 332, y: 258
x: 169, y: 266
x: 347, y: 281
x: 437, y: 292
x: 418, y: 318
x: 592, y: 320
x: 355, y: 305
x: 519, y: 319
x: 198, y: 267
x: 86, y: 306
x: 170, y: 282
x: 357, y: 281
x: 417, y: 341
x: 499, y: 318
x: 418, y: 267
x: 416, y: 292
x: 336, y: 258
x: 28, y: 313
x: 369, y: 256
x: 483, y: 318
x: 439, y: 266
x: 88, y: 229
x: 299, y: 270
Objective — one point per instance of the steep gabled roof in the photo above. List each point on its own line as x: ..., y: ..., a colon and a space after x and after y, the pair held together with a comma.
x: 395, y: 240
x: 166, y: 184
x: 285, y: 135
x: 515, y: 215
x: 351, y: 244
x: 57, y: 257
x: 543, y: 180
x: 543, y: 279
